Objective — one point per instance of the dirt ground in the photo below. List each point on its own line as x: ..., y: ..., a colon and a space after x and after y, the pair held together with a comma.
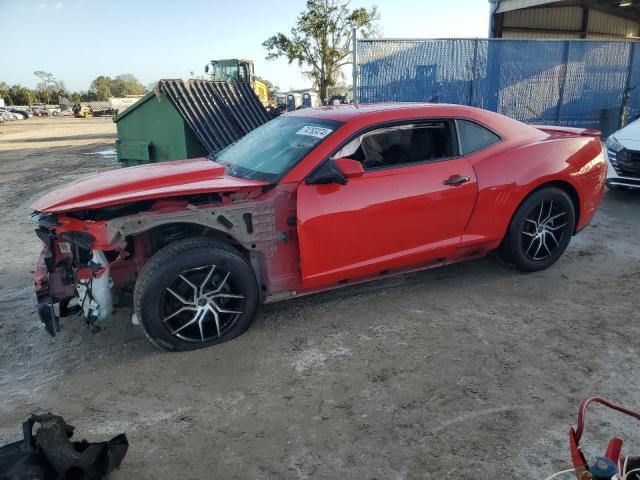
x: 472, y: 371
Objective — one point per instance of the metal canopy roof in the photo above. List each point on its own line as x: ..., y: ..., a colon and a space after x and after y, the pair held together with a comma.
x: 631, y: 12
x: 508, y: 5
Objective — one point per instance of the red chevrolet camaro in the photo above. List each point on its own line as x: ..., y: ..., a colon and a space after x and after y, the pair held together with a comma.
x: 311, y: 201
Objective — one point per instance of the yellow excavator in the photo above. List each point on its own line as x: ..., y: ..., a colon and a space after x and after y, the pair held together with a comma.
x: 237, y: 70
x: 81, y: 110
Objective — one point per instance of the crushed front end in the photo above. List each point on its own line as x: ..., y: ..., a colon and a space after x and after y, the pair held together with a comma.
x: 73, y: 271
x: 99, y: 232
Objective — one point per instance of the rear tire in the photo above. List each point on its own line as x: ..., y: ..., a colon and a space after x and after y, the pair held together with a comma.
x: 195, y: 293
x: 540, y: 230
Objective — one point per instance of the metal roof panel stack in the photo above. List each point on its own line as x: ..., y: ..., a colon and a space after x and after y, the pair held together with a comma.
x: 219, y: 113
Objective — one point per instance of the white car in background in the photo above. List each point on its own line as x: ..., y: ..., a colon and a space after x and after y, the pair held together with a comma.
x: 10, y: 115
x: 623, y: 157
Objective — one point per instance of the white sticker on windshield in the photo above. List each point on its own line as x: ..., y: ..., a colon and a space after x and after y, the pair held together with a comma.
x: 318, y: 132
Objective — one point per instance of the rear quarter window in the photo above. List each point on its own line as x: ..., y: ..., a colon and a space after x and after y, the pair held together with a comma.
x: 474, y: 137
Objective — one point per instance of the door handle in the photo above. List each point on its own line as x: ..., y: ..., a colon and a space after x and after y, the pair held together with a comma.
x: 456, y: 180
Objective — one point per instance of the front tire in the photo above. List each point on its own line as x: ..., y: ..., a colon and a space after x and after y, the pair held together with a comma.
x: 540, y: 230
x: 195, y: 293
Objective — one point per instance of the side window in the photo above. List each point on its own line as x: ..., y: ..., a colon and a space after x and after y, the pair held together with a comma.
x: 473, y: 137
x: 242, y: 73
x: 401, y: 145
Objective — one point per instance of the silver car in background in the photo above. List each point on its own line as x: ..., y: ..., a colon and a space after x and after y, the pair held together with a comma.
x: 623, y: 157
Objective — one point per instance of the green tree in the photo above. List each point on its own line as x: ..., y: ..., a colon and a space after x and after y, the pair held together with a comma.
x: 101, y: 87
x: 75, y: 97
x: 46, y: 87
x: 127, y: 84
x: 321, y: 39
x: 4, y: 92
x: 19, y: 95
x: 88, y: 96
x: 58, y: 90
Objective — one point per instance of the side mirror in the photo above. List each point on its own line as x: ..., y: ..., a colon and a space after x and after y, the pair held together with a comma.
x: 349, y: 168
x: 327, y: 172
x: 335, y: 171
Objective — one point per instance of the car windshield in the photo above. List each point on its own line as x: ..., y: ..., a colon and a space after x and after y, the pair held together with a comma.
x: 271, y: 150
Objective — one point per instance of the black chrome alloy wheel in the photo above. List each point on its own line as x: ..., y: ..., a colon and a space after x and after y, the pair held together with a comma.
x: 540, y: 229
x: 202, y: 304
x: 195, y: 293
x: 544, y: 229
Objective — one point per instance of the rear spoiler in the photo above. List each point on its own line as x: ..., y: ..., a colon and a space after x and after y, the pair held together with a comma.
x: 574, y: 132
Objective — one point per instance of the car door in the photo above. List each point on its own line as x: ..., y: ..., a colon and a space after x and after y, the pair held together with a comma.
x: 408, y: 209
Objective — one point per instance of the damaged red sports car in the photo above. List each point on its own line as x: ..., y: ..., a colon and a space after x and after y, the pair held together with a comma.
x: 311, y: 201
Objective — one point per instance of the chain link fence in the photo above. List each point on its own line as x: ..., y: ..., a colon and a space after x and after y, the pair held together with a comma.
x: 578, y: 83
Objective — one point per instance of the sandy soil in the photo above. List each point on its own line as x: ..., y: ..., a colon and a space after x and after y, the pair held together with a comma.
x: 472, y: 371
x: 51, y: 132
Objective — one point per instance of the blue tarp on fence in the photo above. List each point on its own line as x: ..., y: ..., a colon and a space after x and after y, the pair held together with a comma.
x: 578, y: 83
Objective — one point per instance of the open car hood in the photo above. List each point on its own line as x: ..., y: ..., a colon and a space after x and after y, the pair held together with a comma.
x: 144, y: 182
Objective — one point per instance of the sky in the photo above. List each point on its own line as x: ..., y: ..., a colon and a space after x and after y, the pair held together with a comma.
x: 78, y: 40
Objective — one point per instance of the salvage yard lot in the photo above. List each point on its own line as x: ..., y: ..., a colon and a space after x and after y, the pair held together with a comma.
x: 468, y: 371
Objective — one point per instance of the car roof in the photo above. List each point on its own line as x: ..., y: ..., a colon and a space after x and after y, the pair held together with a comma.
x: 373, y: 112
x: 344, y: 113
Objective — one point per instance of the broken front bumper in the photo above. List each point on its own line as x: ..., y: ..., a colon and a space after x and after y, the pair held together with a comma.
x: 53, y: 286
x: 50, y: 453
x: 59, y: 282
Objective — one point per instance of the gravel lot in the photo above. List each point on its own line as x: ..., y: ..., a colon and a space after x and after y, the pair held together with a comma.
x: 468, y: 371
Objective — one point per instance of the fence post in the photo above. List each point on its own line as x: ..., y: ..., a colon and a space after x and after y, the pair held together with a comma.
x: 565, y: 63
x: 354, y: 64
x: 473, y: 72
x: 493, y: 74
x: 624, y: 105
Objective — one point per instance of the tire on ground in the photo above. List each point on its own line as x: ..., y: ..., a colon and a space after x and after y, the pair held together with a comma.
x: 165, y: 266
x: 512, y: 246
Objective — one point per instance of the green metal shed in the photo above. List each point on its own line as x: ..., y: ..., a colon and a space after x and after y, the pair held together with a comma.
x: 186, y: 119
